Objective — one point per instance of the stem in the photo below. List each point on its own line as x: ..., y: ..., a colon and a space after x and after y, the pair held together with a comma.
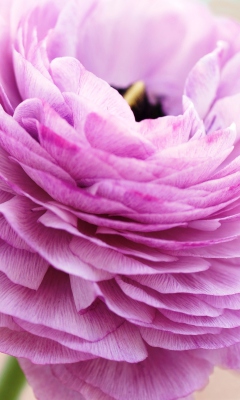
x: 12, y: 380
x: 134, y: 94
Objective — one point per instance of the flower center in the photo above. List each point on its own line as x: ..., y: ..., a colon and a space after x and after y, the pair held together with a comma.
x: 137, y: 99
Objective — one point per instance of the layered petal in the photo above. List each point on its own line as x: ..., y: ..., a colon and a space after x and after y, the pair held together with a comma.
x: 119, y: 240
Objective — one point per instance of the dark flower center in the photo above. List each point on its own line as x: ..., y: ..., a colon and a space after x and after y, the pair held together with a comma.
x: 137, y: 98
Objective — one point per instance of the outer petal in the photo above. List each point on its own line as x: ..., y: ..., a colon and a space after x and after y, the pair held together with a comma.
x: 164, y: 374
x: 45, y: 384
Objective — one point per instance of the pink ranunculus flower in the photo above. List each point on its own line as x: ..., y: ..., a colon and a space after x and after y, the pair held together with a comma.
x: 119, y: 239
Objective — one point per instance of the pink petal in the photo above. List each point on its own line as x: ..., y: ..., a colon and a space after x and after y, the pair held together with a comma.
x: 84, y: 292
x: 70, y: 76
x: 228, y: 319
x: 38, y: 350
x: 89, y: 391
x: 55, y: 297
x: 11, y: 238
x: 31, y: 83
x: 45, y: 241
x: 223, y: 114
x: 227, y: 357
x: 45, y: 384
x: 222, y: 278
x: 183, y: 303
x: 123, y: 344
x: 202, y: 83
x: 108, y: 259
x: 99, y: 133
x: 21, y: 267
x: 9, y: 92
x: 165, y: 324
x: 175, y: 342
x: 170, y: 374
x: 122, y: 305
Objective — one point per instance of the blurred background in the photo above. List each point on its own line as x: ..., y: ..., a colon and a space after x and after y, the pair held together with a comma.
x: 223, y: 385
x: 230, y: 8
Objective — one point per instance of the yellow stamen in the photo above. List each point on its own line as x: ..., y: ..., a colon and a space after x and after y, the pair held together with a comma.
x: 134, y: 94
